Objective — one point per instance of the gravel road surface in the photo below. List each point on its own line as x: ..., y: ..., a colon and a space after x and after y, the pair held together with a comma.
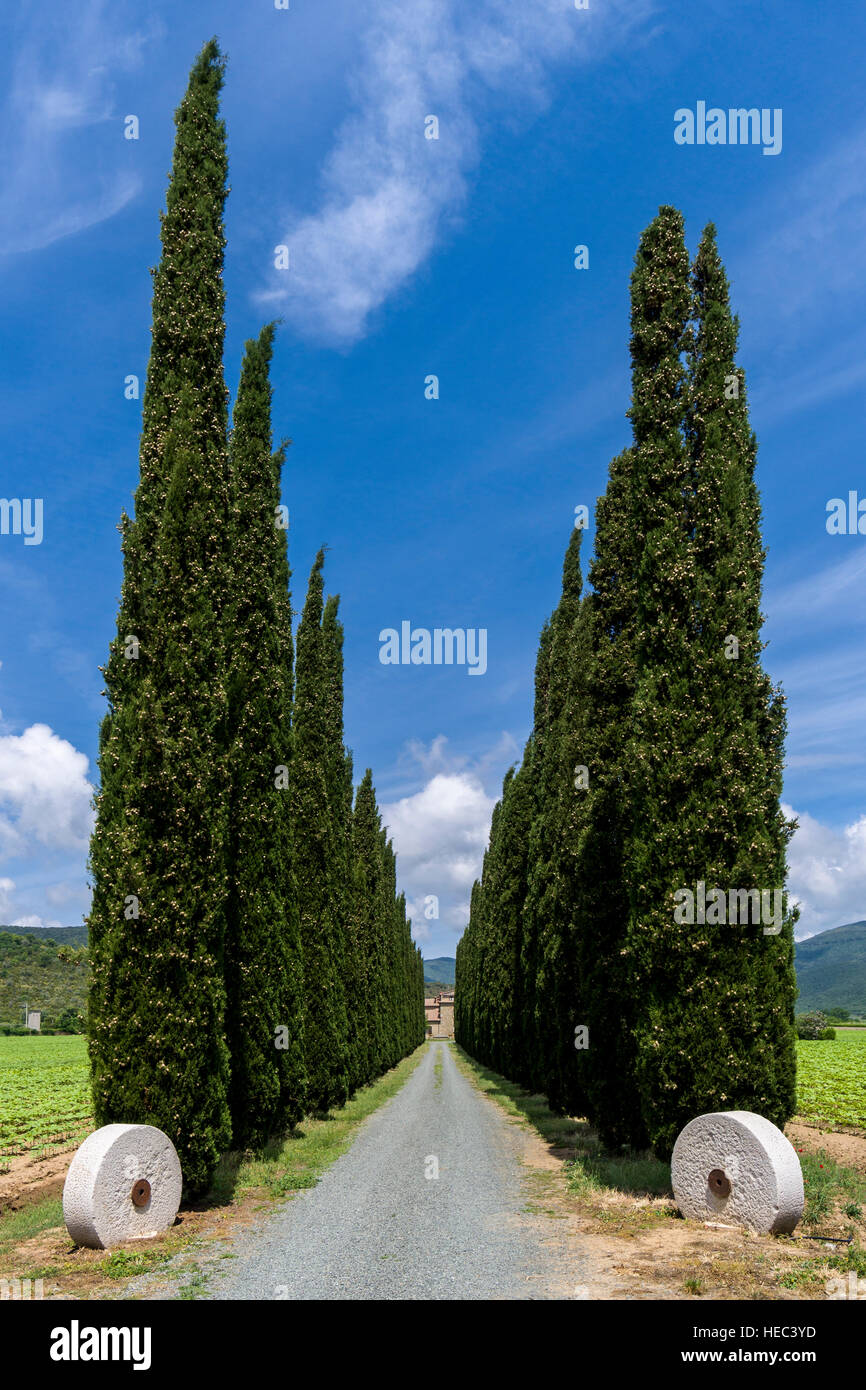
x: 377, y: 1226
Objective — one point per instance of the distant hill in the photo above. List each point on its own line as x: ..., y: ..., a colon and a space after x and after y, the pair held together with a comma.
x: 61, y: 936
x: 41, y: 969
x: 440, y: 971
x: 831, y: 970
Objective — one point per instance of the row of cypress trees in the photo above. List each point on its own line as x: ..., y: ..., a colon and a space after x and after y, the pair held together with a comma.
x: 251, y: 958
x: 654, y: 762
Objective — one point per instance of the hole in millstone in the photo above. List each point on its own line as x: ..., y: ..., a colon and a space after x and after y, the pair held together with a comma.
x: 140, y: 1192
x: 719, y: 1183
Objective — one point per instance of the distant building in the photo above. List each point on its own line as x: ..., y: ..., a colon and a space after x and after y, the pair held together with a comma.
x: 439, y: 1010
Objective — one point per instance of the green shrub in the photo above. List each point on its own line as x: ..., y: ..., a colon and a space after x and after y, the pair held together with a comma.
x: 813, y: 1027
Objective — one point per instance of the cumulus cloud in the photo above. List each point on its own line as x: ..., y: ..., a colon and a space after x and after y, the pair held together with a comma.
x: 827, y: 873
x: 440, y: 834
x: 31, y: 919
x: 386, y: 189
x: 44, y: 794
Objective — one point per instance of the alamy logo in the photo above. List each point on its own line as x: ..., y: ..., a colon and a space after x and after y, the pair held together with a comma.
x: 846, y: 519
x: 22, y: 516
x: 77, y: 1343
x: 740, y: 905
x: 736, y: 126
x: 19, y: 1289
x: 444, y: 646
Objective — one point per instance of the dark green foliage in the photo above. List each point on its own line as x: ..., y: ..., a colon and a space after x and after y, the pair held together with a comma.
x: 716, y: 1001
x: 157, y: 1003
x: 225, y: 860
x: 264, y: 967
x: 550, y: 904
x: 367, y: 1022
x: 682, y: 738
x: 317, y: 777
x: 607, y: 1002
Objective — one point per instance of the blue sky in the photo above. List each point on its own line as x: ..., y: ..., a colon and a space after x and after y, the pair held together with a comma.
x: 411, y: 257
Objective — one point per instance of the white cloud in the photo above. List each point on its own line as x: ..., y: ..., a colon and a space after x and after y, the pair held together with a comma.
x: 32, y: 920
x: 386, y: 190
x: 440, y: 834
x: 827, y: 873
x: 44, y: 794
x: 48, y: 191
x: 7, y: 888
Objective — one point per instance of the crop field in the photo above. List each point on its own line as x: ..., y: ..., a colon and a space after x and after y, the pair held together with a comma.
x: 44, y: 1095
x: 831, y: 1079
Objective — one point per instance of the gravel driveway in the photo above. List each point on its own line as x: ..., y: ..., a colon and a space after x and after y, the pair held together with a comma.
x: 377, y: 1226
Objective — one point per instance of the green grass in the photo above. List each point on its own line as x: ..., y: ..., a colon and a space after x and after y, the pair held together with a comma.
x: 45, y: 1103
x: 829, y: 1188
x: 17, y: 1226
x: 591, y: 1171
x: 831, y: 1080
x: 123, y: 1264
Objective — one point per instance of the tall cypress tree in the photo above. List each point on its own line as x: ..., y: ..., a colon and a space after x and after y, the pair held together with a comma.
x: 366, y: 898
x: 715, y: 1013
x: 717, y: 1026
x: 314, y: 768
x: 605, y: 1069
x: 551, y: 881
x: 659, y: 770
x: 158, y: 853
x: 528, y: 1038
x: 340, y: 817
x: 264, y: 967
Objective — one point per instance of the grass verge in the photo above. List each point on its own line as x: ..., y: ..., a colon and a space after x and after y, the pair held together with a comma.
x: 35, y: 1238
x: 629, y: 1194
x: 598, y: 1178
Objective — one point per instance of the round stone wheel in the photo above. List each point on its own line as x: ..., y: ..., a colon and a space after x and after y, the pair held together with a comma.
x: 736, y: 1167
x: 124, y: 1183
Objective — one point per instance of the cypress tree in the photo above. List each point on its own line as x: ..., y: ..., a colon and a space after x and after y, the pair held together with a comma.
x: 264, y: 967
x: 716, y: 1027
x: 658, y: 767
x: 527, y: 1041
x: 158, y: 853
x: 366, y: 901
x: 551, y: 878
x: 312, y: 789
x: 390, y: 933
x: 605, y: 1070
x: 339, y: 811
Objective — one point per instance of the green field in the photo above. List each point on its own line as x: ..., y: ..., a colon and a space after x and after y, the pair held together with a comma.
x: 44, y: 1095
x: 831, y: 1079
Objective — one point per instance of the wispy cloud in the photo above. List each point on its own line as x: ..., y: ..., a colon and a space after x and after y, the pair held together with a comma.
x: 386, y: 189
x: 62, y: 86
x: 833, y: 595
x: 818, y: 220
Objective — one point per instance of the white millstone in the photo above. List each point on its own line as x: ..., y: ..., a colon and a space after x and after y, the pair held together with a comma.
x: 97, y: 1196
x: 762, y: 1167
